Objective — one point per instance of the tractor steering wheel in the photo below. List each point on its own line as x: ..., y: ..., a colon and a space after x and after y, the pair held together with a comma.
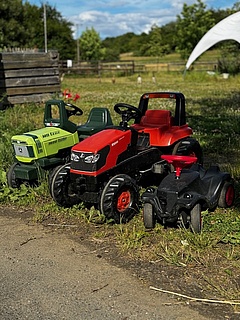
x: 127, y: 112
x: 73, y: 110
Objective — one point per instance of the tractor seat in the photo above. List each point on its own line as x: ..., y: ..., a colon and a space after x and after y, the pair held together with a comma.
x: 98, y: 119
x: 154, y: 119
x: 154, y: 123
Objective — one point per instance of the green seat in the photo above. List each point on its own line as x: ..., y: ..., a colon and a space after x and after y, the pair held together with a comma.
x: 98, y: 119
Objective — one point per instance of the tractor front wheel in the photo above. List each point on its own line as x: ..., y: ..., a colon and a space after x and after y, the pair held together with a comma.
x: 51, y: 175
x: 61, y: 187
x: 11, y: 177
x: 120, y: 199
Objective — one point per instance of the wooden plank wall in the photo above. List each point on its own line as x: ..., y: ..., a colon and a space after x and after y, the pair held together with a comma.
x: 28, y: 77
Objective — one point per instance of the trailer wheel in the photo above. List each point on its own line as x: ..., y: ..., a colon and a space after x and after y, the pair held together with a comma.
x: 11, y: 177
x: 227, y: 194
x: 120, y: 199
x: 196, y: 218
x: 61, y: 188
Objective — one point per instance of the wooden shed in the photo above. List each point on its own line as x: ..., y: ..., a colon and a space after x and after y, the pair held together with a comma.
x: 28, y: 77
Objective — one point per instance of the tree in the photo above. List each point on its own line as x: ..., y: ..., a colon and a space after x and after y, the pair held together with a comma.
x: 90, y: 45
x: 193, y: 22
x: 236, y: 6
x: 111, y: 54
x: 154, y: 46
x: 33, y: 25
x: 59, y: 34
x: 128, y: 42
x: 21, y: 25
x: 168, y: 32
x: 11, y: 24
x: 229, y: 61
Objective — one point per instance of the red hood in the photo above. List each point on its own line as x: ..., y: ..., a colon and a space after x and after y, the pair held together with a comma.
x: 111, y: 137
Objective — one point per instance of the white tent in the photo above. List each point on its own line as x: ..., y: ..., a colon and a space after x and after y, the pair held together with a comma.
x: 226, y: 29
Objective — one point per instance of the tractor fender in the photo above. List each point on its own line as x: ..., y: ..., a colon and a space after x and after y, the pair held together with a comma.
x: 173, y: 135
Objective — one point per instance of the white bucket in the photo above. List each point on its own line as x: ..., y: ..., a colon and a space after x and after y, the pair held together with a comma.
x: 225, y: 75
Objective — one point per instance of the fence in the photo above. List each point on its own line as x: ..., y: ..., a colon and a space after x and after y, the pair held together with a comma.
x: 129, y: 67
x: 28, y: 77
x: 98, y: 68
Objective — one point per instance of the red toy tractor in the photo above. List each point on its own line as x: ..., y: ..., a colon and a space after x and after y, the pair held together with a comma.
x: 108, y: 168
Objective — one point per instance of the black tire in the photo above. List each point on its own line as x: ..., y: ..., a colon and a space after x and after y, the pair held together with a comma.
x: 226, y: 198
x: 120, y: 199
x: 189, y: 147
x: 196, y: 218
x: 51, y: 174
x: 61, y: 188
x: 11, y: 177
x: 148, y: 216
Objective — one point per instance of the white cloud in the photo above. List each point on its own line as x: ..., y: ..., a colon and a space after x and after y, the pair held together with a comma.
x: 110, y: 25
x: 111, y: 18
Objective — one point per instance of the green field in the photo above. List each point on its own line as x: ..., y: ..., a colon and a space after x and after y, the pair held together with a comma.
x: 209, y: 55
x: 213, y: 111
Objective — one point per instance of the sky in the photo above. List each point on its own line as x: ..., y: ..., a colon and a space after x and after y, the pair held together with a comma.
x: 111, y: 18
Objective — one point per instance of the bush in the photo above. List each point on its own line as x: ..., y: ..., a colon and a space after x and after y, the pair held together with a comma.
x: 229, y: 65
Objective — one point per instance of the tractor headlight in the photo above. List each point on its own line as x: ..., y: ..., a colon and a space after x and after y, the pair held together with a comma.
x: 86, y: 157
x: 23, y: 150
x: 75, y: 157
x: 89, y: 161
x: 92, y: 158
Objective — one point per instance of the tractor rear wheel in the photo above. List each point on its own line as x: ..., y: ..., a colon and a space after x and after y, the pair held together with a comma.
x: 11, y: 177
x: 120, y: 199
x: 227, y: 194
x: 61, y: 188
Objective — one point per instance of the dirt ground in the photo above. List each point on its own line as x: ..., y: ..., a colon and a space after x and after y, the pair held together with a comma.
x: 148, y: 274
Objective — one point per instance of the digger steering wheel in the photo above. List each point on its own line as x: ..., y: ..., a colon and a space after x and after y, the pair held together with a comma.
x: 127, y: 112
x: 73, y: 110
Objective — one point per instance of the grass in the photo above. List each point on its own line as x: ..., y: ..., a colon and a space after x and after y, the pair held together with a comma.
x: 212, y: 257
x: 209, y: 55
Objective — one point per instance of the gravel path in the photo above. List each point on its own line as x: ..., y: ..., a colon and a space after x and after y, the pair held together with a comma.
x: 47, y: 275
